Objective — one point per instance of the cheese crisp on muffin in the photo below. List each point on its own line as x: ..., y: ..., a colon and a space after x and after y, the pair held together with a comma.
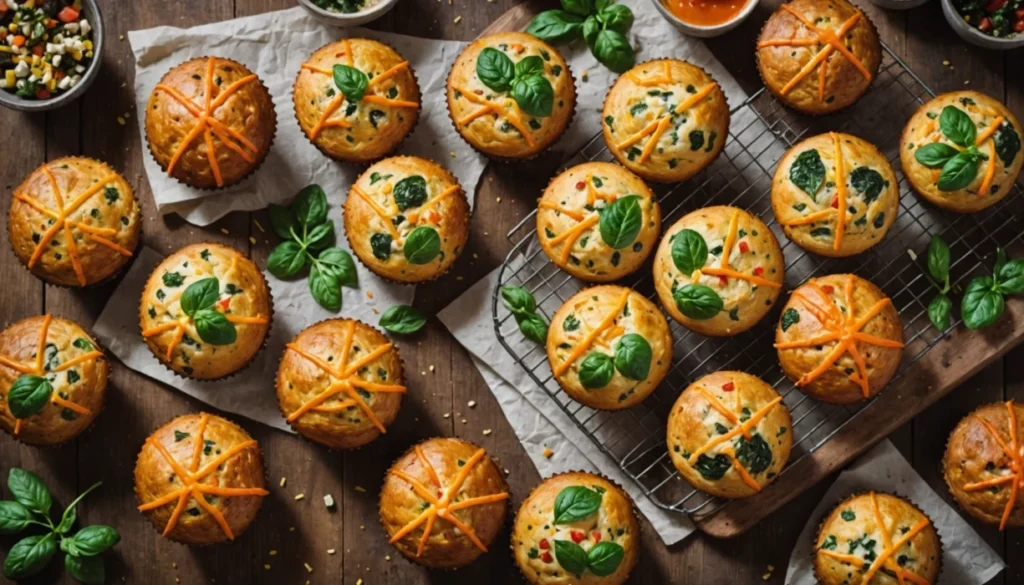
x: 205, y: 311
x: 74, y: 221
x: 877, y: 539
x: 718, y: 270
x: 407, y: 219
x: 962, y: 151
x: 665, y: 120
x: 510, y: 95
x: 443, y: 503
x: 609, y: 347
x: 576, y: 527
x: 356, y: 99
x: 729, y: 434
x: 200, y: 479
x: 835, y: 194
x: 598, y: 221
x: 53, y: 377
x: 983, y: 466
x: 839, y: 338
x: 340, y: 383
x: 210, y: 122
x: 818, y: 56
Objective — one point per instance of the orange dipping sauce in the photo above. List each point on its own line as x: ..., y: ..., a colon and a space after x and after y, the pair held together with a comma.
x: 705, y: 12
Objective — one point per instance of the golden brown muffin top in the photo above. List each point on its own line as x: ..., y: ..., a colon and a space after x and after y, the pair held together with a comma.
x: 340, y: 377
x: 223, y: 114
x: 984, y: 462
x: 869, y: 538
x: 82, y: 219
x: 836, y: 311
x: 56, y: 360
x: 576, y: 528
x: 454, y: 491
x: 821, y: 50
x: 188, y: 468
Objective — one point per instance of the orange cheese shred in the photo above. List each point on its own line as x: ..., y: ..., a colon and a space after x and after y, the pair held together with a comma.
x: 840, y: 190
x: 605, y: 323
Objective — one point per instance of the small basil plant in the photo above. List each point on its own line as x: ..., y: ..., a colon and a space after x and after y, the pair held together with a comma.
x: 309, y: 242
x: 959, y: 167
x: 573, y: 504
x: 689, y: 254
x: 524, y: 80
x: 403, y: 320
x: 601, y: 23
x: 523, y: 307
x: 30, y: 508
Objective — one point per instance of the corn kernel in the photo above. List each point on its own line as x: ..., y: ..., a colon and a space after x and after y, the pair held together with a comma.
x: 87, y: 45
x: 76, y: 54
x: 88, y: 54
x: 52, y: 84
x: 9, y: 78
x: 12, y: 27
x: 37, y: 72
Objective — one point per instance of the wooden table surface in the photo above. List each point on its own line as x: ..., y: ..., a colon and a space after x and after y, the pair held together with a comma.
x: 290, y: 533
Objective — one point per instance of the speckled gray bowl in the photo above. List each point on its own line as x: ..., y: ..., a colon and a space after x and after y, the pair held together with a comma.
x: 975, y: 36
x: 341, y: 19
x: 91, y: 12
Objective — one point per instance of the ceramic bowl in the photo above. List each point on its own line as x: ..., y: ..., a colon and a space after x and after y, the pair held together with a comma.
x: 342, y: 19
x: 705, y: 32
x: 899, y: 4
x: 975, y: 36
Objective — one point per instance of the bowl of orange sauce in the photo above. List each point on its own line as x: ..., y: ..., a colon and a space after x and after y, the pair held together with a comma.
x: 705, y: 18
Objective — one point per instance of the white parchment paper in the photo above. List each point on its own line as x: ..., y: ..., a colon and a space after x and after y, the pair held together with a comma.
x: 966, y: 560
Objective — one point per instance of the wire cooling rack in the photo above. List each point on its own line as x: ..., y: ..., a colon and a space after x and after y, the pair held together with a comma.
x: 761, y: 131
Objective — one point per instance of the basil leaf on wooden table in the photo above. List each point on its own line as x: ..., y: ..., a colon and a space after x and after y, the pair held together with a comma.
x: 287, y: 259
x: 556, y: 26
x: 596, y: 370
x: 351, y: 81
x: 518, y: 300
x: 534, y: 95
x: 495, y: 69
x: 29, y: 555
x: 938, y: 262
x: 571, y: 557
x: 402, y: 319
x: 422, y: 245
x: 612, y: 49
x: 575, y: 503
x: 982, y: 304
x: 605, y: 557
x: 88, y: 570
x: 534, y: 328
x: 410, y: 192
x: 689, y: 251
x: 939, y: 311
x: 201, y: 294
x: 214, y: 328
x: 620, y: 222
x: 28, y: 395
x: 808, y: 172
x: 633, y: 356
x: 1009, y: 275
x: 91, y: 541
x: 29, y: 491
x: 935, y: 155
x: 13, y: 517
x: 697, y: 301
x: 957, y: 126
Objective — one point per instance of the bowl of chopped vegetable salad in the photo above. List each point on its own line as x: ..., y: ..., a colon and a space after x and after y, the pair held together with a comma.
x: 49, y: 51
x: 993, y: 24
x: 346, y: 12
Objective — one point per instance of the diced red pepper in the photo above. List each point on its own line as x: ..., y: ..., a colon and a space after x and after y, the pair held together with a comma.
x: 544, y: 544
x: 51, y: 23
x: 1019, y: 13
x: 580, y: 186
x: 224, y: 303
x: 546, y: 557
x: 38, y: 50
x: 744, y: 248
x: 577, y: 536
x: 3, y: 7
x: 723, y: 280
x: 1019, y: 26
x: 828, y: 289
x: 69, y: 14
x: 596, y: 535
x: 995, y: 5
x: 985, y: 25
x: 758, y: 271
x: 835, y: 202
x: 43, y: 93
x: 728, y: 387
x: 59, y: 74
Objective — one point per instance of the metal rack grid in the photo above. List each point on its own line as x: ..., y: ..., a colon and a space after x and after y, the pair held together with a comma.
x: 761, y: 131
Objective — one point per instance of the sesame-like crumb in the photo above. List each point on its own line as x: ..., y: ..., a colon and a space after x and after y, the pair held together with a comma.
x: 299, y: 496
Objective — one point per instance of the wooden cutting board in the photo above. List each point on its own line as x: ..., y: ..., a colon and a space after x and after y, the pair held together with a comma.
x: 951, y: 362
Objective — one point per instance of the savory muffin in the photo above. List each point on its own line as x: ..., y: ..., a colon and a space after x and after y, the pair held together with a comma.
x: 205, y: 311
x: 597, y: 221
x: 200, y: 479
x: 835, y: 194
x: 609, y: 347
x: 407, y: 219
x: 839, y: 338
x: 718, y: 270
x: 961, y: 151
x: 729, y: 434
x: 340, y: 383
x: 666, y: 120
x: 818, y: 56
x: 510, y: 95
x: 443, y: 503
x: 210, y: 122
x: 74, y: 221
x: 53, y: 377
x: 356, y: 99
x: 877, y: 539
x: 983, y: 466
x: 576, y: 527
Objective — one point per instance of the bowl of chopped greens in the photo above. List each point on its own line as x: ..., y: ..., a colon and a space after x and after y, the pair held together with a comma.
x: 992, y: 24
x: 49, y: 52
x: 346, y: 12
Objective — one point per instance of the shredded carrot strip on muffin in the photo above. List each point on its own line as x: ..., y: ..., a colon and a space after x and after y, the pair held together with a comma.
x: 659, y: 125
x: 724, y: 270
x: 587, y: 341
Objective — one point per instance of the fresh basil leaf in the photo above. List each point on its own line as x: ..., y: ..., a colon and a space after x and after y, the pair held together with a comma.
x: 201, y: 294
x: 935, y: 155
x: 957, y: 126
x: 617, y: 17
x: 571, y: 557
x: 88, y: 570
x: 28, y: 395
x: 533, y: 327
x: 600, y: 5
x: 958, y: 172
x: 790, y: 317
x: 808, y: 172
x: 351, y: 81
x: 578, y: 7
x: 534, y: 95
x: 29, y: 556
x: 531, y: 65
x: 555, y: 26
x: 633, y: 356
x: 612, y: 49
x: 380, y: 243
x: 938, y: 262
x: 1007, y: 143
x: 605, y: 557
x: 518, y: 301
x: 310, y: 206
x: 495, y: 69
x: 697, y: 301
x: 982, y: 304
x: 29, y: 491
x: 575, y: 503
x: 422, y: 245
x: 325, y: 286
x: 591, y: 28
x: 342, y: 264
x: 214, y: 328
x: 939, y: 311
x: 402, y: 319
x: 93, y: 540
x: 321, y: 236
x: 596, y: 370
x: 1000, y: 261
x: 13, y: 517
x: 754, y: 454
x: 283, y: 221
x: 286, y: 260
x: 713, y: 468
x: 620, y: 222
x: 67, y: 519
x: 410, y: 192
x: 1010, y: 277
x: 689, y: 251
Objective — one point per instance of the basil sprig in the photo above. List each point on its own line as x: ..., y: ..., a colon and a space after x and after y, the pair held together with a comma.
x: 938, y: 269
x: 30, y: 555
x: 308, y: 241
x: 959, y: 168
x: 351, y: 81
x: 198, y: 302
x: 529, y: 88
x: 620, y: 222
x: 28, y: 395
x: 523, y: 307
x: 402, y: 319
x: 602, y: 24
